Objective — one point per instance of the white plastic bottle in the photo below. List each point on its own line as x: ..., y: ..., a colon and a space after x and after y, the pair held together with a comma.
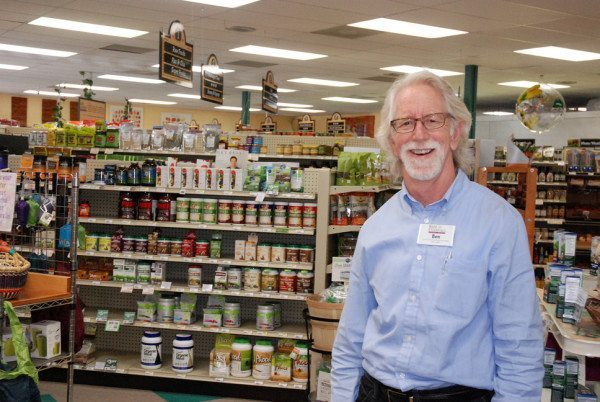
x: 300, y: 363
x: 183, y: 353
x: 241, y: 358
x: 261, y: 360
x: 151, y: 358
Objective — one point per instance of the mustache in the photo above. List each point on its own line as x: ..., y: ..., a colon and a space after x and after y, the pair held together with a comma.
x: 414, y: 145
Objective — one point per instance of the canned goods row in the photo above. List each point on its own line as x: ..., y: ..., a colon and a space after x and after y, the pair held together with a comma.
x: 266, y: 252
x: 257, y: 279
x: 268, y: 316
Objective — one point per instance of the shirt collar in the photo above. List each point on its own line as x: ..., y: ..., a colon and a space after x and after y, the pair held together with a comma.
x: 408, y: 202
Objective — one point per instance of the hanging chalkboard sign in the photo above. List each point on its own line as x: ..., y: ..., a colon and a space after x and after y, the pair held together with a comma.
x: 211, y: 82
x: 306, y: 124
x: 336, y: 125
x: 176, y: 56
x: 269, y: 93
x: 268, y: 126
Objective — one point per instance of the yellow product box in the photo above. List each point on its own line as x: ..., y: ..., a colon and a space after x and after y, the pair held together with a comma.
x: 45, y: 336
x: 8, y: 348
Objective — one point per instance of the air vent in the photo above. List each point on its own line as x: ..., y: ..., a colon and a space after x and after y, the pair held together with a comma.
x: 240, y: 28
x: 380, y: 78
x: 127, y: 49
x: 250, y: 63
x: 344, y: 31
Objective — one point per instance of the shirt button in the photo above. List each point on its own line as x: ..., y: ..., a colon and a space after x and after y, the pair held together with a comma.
x: 419, y: 257
x: 426, y: 220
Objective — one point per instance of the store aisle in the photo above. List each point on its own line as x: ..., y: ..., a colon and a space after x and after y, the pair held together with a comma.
x: 57, y: 392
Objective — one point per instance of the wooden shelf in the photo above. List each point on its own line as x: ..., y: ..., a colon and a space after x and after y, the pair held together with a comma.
x: 361, y: 189
x: 42, y: 289
x: 336, y: 229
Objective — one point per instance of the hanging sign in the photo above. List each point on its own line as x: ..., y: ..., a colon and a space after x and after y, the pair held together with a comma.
x: 336, y: 125
x: 8, y: 187
x: 90, y: 109
x: 268, y: 126
x: 176, y: 56
x: 211, y: 81
x: 269, y: 93
x: 306, y: 125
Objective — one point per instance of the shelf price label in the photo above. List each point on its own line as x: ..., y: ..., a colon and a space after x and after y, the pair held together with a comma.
x: 101, y: 315
x: 165, y: 285
x: 112, y: 326
x: 128, y: 317
x: 148, y: 290
x: 127, y: 288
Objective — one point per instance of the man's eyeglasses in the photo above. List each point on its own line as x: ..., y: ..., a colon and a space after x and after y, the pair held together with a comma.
x: 431, y: 122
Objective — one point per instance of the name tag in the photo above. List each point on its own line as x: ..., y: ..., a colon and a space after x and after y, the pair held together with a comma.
x: 436, y: 235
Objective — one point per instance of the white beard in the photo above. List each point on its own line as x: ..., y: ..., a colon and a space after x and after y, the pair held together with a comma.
x: 423, y: 169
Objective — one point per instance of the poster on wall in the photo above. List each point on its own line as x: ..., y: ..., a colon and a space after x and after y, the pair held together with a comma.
x: 361, y: 126
x: 176, y: 56
x: 136, y: 116
x: 167, y: 118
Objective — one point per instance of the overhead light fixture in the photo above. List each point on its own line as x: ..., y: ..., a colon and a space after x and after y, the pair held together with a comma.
x: 560, y: 53
x: 87, y: 27
x: 130, y: 79
x: 12, y: 67
x: 236, y: 108
x: 301, y: 110
x: 223, y: 3
x: 327, y: 83
x: 35, y: 50
x: 79, y: 86
x: 413, y: 69
x: 274, y: 52
x: 528, y: 84
x: 259, y: 88
x: 50, y: 93
x: 152, y: 102
x: 187, y: 96
x: 498, y: 113
x: 348, y: 100
x: 198, y: 69
x: 284, y: 104
x: 406, y: 28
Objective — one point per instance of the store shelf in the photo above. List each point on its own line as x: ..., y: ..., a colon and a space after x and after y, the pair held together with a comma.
x: 551, y: 221
x: 184, y: 288
x: 35, y: 249
x: 539, y: 265
x: 583, y: 175
x: 44, y: 364
x: 539, y: 201
x: 548, y: 163
x: 129, y: 363
x: 551, y: 184
x: 361, y: 189
x: 199, y: 260
x: 335, y: 229
x: 503, y: 182
x: 43, y: 291
x: 200, y: 226
x: 292, y: 331
x: 219, y: 193
x: 547, y: 241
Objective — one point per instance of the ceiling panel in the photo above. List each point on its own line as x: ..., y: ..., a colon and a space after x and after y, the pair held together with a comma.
x: 584, y: 8
x: 575, y: 26
x: 451, y: 20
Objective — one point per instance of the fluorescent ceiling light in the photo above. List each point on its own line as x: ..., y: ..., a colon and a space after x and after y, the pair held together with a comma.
x: 50, y: 93
x: 283, y: 104
x: 35, y: 50
x: 413, y: 69
x: 188, y: 96
x: 406, y: 28
x: 223, y: 3
x: 560, y: 53
x: 327, y: 83
x: 12, y: 67
x: 130, y: 79
x: 498, y: 113
x: 236, y: 108
x: 527, y: 84
x: 86, y: 27
x: 348, y: 100
x: 274, y: 52
x: 152, y: 102
x: 259, y: 88
x: 294, y: 109
x: 93, y: 88
x: 198, y: 69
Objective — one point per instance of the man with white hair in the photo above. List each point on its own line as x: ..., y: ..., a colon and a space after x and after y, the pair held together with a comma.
x: 442, y: 303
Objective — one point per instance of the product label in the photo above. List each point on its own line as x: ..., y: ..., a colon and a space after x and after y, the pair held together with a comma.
x: 183, y: 358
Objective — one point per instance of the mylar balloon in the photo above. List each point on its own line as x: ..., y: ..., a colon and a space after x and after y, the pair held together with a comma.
x: 540, y: 108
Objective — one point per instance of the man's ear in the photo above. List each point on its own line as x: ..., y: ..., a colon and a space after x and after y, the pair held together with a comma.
x: 455, y: 134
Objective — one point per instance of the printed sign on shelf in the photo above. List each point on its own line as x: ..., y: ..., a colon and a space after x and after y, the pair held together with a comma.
x: 8, y: 188
x: 340, y: 269
x: 268, y: 125
x: 176, y: 56
x: 211, y: 81
x: 269, y: 93
x: 336, y: 125
x: 306, y: 124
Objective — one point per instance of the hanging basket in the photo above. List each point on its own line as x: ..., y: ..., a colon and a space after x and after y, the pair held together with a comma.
x: 323, y: 318
x: 13, y: 274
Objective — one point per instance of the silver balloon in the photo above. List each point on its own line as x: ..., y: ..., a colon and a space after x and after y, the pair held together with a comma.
x: 540, y: 108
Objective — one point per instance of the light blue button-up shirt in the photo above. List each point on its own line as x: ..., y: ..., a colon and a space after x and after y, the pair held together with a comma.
x: 422, y: 316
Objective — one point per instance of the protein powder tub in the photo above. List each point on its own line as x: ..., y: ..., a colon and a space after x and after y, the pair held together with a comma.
x: 194, y: 275
x: 195, y: 210
x: 261, y: 360
x: 252, y: 279
x: 309, y: 215
x: 304, y: 283
x: 237, y: 211
x: 278, y: 252
x: 280, y: 213
x: 209, y: 210
x: 287, y: 281
x: 224, y: 211
x: 263, y: 252
x: 299, y: 357
x: 234, y: 278
x: 231, y: 315
x: 202, y: 247
x: 129, y: 244
x: 276, y: 313
x: 241, y: 358
x: 182, y: 209
x: 265, y: 317
x: 265, y: 214
x: 165, y: 309
x: 306, y: 254
x: 151, y: 350
x: 104, y: 242
x: 143, y: 272
x: 295, y: 215
x: 251, y: 215
x: 183, y: 353
x: 269, y: 280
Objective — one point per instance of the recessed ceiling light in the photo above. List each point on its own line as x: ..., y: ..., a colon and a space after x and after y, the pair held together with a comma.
x: 348, y: 100
x: 274, y: 52
x: 79, y: 86
x: 130, y: 79
x: 188, y: 96
x: 49, y: 93
x: 35, y: 50
x: 223, y: 3
x: 413, y: 69
x: 560, y: 53
x: 86, y: 27
x: 294, y: 109
x: 236, y: 108
x: 498, y: 113
x: 527, y: 84
x: 12, y: 67
x: 406, y: 28
x: 198, y: 69
x: 152, y: 102
x: 284, y: 104
x: 259, y: 88
x: 327, y: 83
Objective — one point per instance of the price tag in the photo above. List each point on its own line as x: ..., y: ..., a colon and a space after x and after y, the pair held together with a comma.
x: 149, y: 372
x: 163, y: 257
x: 219, y: 379
x: 226, y: 262
x: 109, y: 221
x: 112, y: 326
x: 298, y: 336
x: 127, y: 288
x: 94, y: 151
x: 188, y: 259
x: 91, y: 220
x: 120, y: 371
x: 126, y: 222
x: 99, y: 366
x: 225, y: 330
x: 539, y: 202
x: 110, y: 365
x: 282, y: 384
x: 128, y: 317
x: 182, y: 191
x: 213, y: 261
x: 148, y: 290
x: 298, y: 386
x: 247, y: 332
x: 560, y: 163
x: 257, y: 382
x: 181, y: 375
x: 194, y: 288
x: 207, y: 287
x: 260, y: 197
x: 90, y: 253
x: 165, y: 285
x: 101, y: 315
x: 138, y: 286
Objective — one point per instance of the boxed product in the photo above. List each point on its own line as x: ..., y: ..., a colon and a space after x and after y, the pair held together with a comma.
x: 211, y: 178
x: 281, y: 367
x: 240, y: 249
x: 124, y: 270
x: 146, y: 310
x: 237, y: 179
x: 549, y: 358
x: 162, y: 176
x: 200, y: 180
x: 219, y: 362
x: 8, y: 348
x: 183, y: 317
x: 158, y: 272
x: 213, y: 317
x: 45, y: 336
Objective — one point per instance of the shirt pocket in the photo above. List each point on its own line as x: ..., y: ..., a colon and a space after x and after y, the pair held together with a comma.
x: 461, y: 288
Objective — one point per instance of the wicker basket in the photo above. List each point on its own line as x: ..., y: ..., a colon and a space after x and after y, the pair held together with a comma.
x: 13, y: 274
x: 323, y: 332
